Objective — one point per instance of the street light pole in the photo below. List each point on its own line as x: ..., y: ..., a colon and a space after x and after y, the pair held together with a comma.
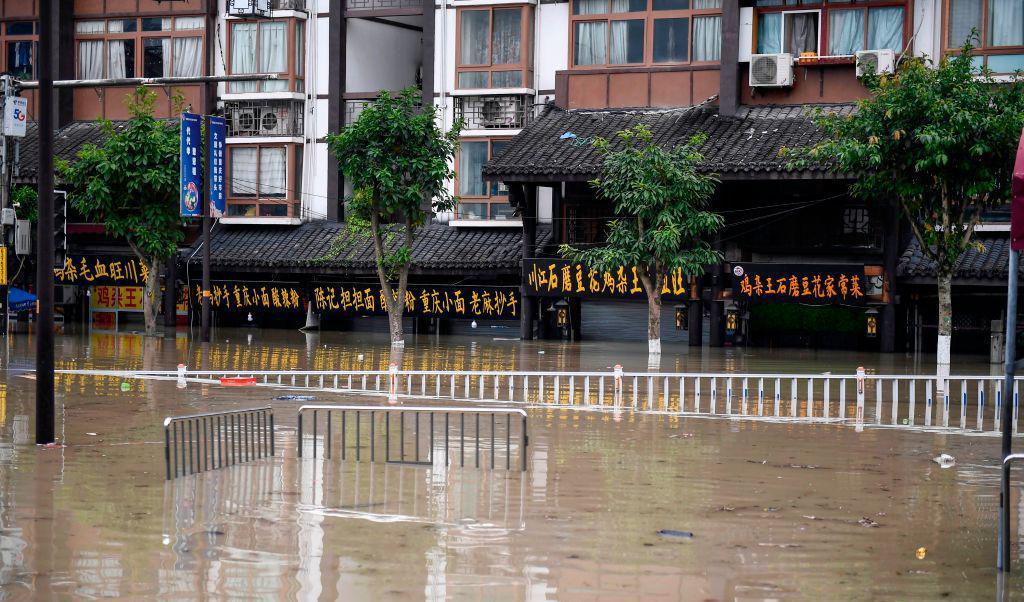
x: 44, y: 233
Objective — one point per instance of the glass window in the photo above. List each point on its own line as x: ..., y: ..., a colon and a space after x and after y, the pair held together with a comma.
x: 845, y: 32
x: 121, y: 25
x: 243, y: 54
x: 801, y: 33
x: 626, y: 44
x: 246, y: 210
x: 19, y: 59
x: 189, y: 23
x: 630, y: 6
x: 472, y: 156
x: 273, y: 172
x: 20, y: 28
x: 591, y: 43
x: 1006, y: 63
x: 589, y: 7
x: 121, y: 58
x: 707, y: 38
x: 273, y: 53
x: 156, y: 24
x: 300, y: 48
x: 188, y: 57
x: 506, y: 79
x: 885, y: 28
x: 90, y: 59
x: 769, y: 33
x: 273, y: 210
x: 474, y: 39
x: 671, y: 4
x: 89, y: 27
x: 671, y: 40
x: 506, y: 36
x: 473, y: 210
x: 498, y: 188
x: 155, y: 57
x: 243, y: 166
x: 1005, y: 23
x: 964, y: 15
x: 473, y: 79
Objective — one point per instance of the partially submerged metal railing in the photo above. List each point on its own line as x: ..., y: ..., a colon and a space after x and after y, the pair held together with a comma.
x: 201, y: 442
x: 1003, y: 552
x: 410, y: 436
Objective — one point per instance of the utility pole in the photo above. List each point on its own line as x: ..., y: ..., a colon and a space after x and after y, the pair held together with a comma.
x: 44, y: 233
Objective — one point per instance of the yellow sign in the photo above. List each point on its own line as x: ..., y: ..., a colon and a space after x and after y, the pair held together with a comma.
x: 3, y: 266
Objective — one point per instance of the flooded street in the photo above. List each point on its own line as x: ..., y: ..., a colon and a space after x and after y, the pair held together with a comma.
x: 776, y: 511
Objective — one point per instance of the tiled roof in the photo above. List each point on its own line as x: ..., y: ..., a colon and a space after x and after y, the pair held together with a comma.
x: 746, y: 143
x: 331, y: 247
x: 990, y: 264
x: 66, y: 143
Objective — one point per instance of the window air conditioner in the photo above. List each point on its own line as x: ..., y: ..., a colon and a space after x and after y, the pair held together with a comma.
x: 874, y: 62
x: 249, y: 8
x: 243, y: 121
x: 771, y: 70
x: 271, y: 119
x: 495, y: 113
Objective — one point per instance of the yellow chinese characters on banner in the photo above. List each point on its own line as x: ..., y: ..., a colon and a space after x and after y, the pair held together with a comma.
x: 799, y: 284
x: 102, y: 270
x: 242, y: 297
x: 125, y: 298
x: 3, y: 266
x: 103, y: 297
x: 563, y: 278
x: 438, y: 301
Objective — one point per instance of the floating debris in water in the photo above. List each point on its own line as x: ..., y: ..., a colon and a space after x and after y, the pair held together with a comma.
x: 944, y: 460
x: 921, y: 553
x: 295, y: 398
x: 867, y: 522
x: 672, y: 533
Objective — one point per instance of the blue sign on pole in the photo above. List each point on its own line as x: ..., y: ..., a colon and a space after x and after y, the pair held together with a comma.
x: 191, y: 170
x: 218, y: 131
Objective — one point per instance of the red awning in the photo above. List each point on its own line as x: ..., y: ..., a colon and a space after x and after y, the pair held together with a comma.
x: 1017, y: 207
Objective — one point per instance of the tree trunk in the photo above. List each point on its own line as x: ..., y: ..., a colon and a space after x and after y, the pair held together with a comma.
x: 945, y: 318
x: 654, y: 322
x: 395, y: 299
x: 152, y: 297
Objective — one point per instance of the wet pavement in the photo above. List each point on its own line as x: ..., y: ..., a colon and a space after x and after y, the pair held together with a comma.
x: 776, y: 511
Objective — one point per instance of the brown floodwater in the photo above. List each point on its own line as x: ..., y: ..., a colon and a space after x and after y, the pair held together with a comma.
x: 777, y: 511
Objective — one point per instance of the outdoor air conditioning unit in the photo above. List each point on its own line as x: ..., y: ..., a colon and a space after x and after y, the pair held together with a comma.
x: 243, y: 121
x: 874, y: 62
x: 249, y: 8
x: 498, y: 113
x: 272, y: 119
x: 771, y: 70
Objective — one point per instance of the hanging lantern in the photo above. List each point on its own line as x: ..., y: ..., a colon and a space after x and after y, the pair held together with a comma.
x: 871, y: 323
x: 682, y: 321
x: 561, y: 313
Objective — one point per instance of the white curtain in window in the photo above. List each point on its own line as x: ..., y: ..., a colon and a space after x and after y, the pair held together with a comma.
x: 802, y: 33
x: 591, y: 42
x: 707, y: 38
x: 885, y: 28
x: 964, y: 15
x: 243, y: 54
x: 590, y: 7
x: 506, y: 36
x: 706, y: 4
x: 165, y: 44
x: 116, y: 60
x: 620, y: 6
x: 273, y: 172
x: 300, y: 48
x: 474, y: 38
x: 845, y: 31
x: 1006, y: 23
x: 769, y: 33
x: 90, y: 59
x: 619, y: 43
x: 188, y: 61
x: 274, y: 53
x: 243, y: 171
x: 472, y: 156
x: 189, y: 23
x: 89, y: 27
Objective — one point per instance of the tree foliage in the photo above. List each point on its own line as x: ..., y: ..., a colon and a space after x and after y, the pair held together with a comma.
x: 25, y: 200
x: 398, y: 161
x: 661, y: 197
x: 129, y: 183
x: 940, y: 141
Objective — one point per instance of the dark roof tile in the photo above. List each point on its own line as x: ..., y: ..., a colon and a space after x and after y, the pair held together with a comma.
x: 991, y: 263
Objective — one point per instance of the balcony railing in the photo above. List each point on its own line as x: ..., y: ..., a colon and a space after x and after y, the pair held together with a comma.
x: 409, y: 5
x: 288, y: 4
x: 505, y: 112
x: 265, y: 118
x: 353, y: 108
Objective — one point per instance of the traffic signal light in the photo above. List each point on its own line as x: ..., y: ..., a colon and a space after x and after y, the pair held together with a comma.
x: 60, y: 229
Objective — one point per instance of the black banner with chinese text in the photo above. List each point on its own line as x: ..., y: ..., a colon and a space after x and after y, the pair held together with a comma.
x: 489, y: 302
x: 249, y: 296
x: 564, y: 278
x: 107, y: 270
x: 794, y: 283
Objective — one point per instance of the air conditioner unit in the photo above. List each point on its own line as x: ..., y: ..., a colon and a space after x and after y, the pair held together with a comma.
x: 249, y: 8
x: 771, y: 70
x: 874, y: 62
x: 243, y: 121
x: 498, y: 113
x: 271, y: 120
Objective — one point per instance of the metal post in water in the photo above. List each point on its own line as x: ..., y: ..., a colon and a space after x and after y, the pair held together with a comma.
x: 1008, y: 390
x: 300, y: 433
x: 327, y: 449
x: 524, y: 441
x: 167, y: 450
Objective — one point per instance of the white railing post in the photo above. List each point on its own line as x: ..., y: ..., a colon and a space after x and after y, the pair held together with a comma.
x: 181, y: 376
x: 617, y: 385
x: 650, y: 392
x: 842, y: 399
x: 714, y: 394
x: 760, y: 396
x: 572, y: 390
x: 895, y: 401
x: 981, y: 405
x: 558, y: 387
x: 1015, y: 397
x: 778, y: 395
x: 743, y: 409
x: 913, y: 401
x: 728, y: 396
x: 825, y: 398
x: 878, y: 401
x: 928, y: 403
x: 945, y: 404
x: 810, y: 398
x: 393, y: 383
x: 696, y: 395
x: 540, y: 389
x: 963, y: 404
x: 999, y: 404
x: 792, y: 398
x: 600, y: 390
x: 860, y: 398
x: 682, y: 394
x: 636, y: 390
x: 664, y: 385
x: 586, y: 390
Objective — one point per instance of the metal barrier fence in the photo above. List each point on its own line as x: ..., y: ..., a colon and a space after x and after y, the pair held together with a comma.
x: 416, y: 440
x: 201, y: 442
x: 957, y: 402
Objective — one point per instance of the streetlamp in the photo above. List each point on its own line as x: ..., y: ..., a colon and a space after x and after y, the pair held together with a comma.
x: 871, y: 323
x: 682, y: 322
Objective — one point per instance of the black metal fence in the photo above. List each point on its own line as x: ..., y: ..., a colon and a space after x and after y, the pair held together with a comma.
x: 201, y: 442
x: 414, y: 435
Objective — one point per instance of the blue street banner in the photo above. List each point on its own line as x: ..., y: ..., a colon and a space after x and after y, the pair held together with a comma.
x: 217, y: 129
x: 191, y: 172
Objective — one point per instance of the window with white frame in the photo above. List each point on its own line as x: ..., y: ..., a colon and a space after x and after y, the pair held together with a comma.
x: 833, y: 27
x: 276, y: 46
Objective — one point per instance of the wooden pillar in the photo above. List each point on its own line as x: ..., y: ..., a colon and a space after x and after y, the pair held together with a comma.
x: 887, y: 326
x: 717, y: 307
x: 171, y: 297
x: 525, y: 197
x: 695, y: 316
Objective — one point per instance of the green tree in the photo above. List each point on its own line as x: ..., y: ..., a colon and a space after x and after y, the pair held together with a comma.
x: 25, y: 200
x: 130, y: 185
x: 940, y: 141
x: 398, y: 162
x: 661, y: 197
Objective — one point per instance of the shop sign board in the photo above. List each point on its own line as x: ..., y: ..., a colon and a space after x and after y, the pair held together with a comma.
x: 799, y: 283
x: 113, y: 270
x: 565, y: 278
x: 442, y: 301
x: 191, y: 169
